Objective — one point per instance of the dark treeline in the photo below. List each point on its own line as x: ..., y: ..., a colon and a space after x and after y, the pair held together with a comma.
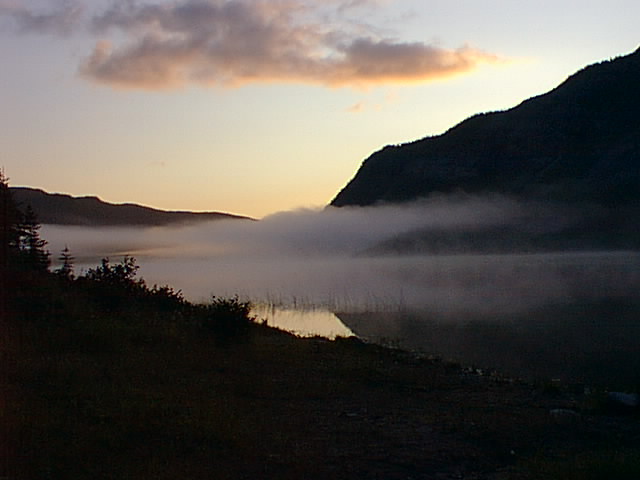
x: 31, y: 291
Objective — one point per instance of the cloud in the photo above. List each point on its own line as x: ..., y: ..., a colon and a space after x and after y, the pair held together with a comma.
x: 369, y: 61
x: 238, y: 42
x: 356, y: 107
x: 61, y: 21
x: 388, y: 99
x: 167, y: 45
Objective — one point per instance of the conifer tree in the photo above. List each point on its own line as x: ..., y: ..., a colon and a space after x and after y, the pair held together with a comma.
x: 66, y: 268
x: 9, y: 219
x: 34, y: 256
x: 6, y: 207
x: 9, y: 241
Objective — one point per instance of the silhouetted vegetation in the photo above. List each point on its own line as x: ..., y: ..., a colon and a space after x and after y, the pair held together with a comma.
x: 23, y: 249
x: 65, y: 270
x: 229, y: 319
x: 24, y: 261
x: 31, y: 292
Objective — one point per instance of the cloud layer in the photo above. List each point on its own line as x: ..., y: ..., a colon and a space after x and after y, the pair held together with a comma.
x: 61, y: 21
x: 237, y: 42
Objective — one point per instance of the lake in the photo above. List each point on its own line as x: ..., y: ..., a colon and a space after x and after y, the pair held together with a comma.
x: 573, y: 316
x: 568, y: 317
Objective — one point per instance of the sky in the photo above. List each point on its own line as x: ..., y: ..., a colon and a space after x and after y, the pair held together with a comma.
x: 260, y: 106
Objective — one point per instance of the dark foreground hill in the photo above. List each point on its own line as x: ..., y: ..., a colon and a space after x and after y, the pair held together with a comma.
x: 577, y: 143
x: 148, y: 395
x: 55, y: 208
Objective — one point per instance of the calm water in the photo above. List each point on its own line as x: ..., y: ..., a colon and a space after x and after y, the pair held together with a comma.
x: 596, y: 343
x: 573, y: 316
x: 303, y: 322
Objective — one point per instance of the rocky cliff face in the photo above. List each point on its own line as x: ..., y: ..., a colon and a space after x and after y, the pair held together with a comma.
x: 577, y: 143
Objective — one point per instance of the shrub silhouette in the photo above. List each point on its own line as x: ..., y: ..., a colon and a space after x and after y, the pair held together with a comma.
x: 229, y: 319
x: 115, y: 287
x: 122, y: 274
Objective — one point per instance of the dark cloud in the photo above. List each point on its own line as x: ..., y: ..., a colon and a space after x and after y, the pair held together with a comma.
x: 61, y: 20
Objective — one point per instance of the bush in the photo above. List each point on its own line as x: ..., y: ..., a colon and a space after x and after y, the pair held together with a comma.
x: 165, y: 299
x: 122, y: 274
x: 116, y: 288
x: 229, y: 319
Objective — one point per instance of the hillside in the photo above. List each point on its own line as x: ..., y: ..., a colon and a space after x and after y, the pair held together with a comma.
x: 577, y: 143
x: 100, y: 382
x: 55, y: 208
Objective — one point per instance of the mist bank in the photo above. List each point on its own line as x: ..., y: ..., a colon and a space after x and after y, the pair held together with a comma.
x: 454, y: 223
x: 330, y: 258
x: 304, y: 232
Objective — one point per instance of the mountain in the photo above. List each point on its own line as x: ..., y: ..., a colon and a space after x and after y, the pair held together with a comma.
x: 579, y: 143
x: 55, y: 208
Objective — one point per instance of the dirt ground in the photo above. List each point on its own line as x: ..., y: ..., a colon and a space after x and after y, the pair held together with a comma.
x: 176, y: 405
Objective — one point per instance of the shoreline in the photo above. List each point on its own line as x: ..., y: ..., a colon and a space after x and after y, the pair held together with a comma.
x: 156, y: 400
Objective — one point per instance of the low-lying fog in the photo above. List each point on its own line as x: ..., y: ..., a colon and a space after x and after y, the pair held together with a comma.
x: 323, y: 258
x: 570, y: 315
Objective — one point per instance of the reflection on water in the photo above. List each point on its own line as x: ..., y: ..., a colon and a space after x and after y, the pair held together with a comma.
x: 309, y: 322
x: 595, y: 343
x: 573, y: 316
x: 568, y: 315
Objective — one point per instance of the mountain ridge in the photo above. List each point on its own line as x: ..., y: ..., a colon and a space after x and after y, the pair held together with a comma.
x: 578, y: 142
x: 64, y: 209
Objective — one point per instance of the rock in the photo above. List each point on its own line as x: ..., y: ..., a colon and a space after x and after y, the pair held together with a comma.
x: 631, y: 400
x: 563, y: 415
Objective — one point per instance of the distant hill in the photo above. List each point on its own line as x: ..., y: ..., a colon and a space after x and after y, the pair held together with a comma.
x: 55, y: 208
x: 577, y: 143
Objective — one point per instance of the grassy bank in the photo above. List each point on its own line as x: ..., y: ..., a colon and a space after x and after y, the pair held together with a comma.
x: 143, y: 393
